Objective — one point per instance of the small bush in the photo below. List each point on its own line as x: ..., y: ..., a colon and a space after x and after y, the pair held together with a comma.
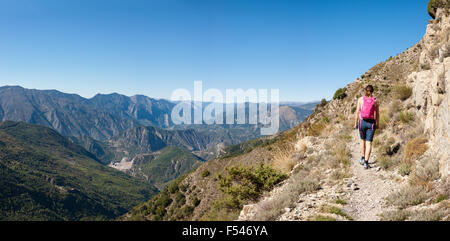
x: 340, y: 94
x: 414, y: 150
x: 441, y: 198
x: 406, y: 117
x: 337, y: 211
x: 188, y: 210
x: 242, y: 184
x: 408, y: 196
x: 428, y: 215
x: 195, y: 202
x: 323, y: 103
x: 405, y: 169
x: 271, y: 209
x: 387, y: 163
x: 384, y: 120
x: 428, y: 171
x: 433, y: 5
x: 403, y: 92
x: 316, y: 128
x: 342, y: 153
x: 173, y: 188
x: 205, y: 173
x: 396, y: 215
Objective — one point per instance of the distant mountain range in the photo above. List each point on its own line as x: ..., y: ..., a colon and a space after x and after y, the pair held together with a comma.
x: 103, y: 116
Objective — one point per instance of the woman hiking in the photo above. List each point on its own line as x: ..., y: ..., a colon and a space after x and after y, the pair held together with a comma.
x: 366, y: 120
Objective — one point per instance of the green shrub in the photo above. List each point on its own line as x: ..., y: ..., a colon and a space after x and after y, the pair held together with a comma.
x: 205, y: 173
x: 241, y: 184
x: 180, y: 199
x: 188, y: 210
x: 195, y: 202
x: 433, y: 5
x: 408, y: 196
x: 405, y: 169
x: 173, y: 188
x: 406, y: 117
x: 403, y: 92
x: 340, y: 94
x: 386, y: 162
x: 323, y: 103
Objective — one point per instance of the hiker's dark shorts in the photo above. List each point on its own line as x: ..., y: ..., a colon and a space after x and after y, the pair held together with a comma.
x: 367, y: 129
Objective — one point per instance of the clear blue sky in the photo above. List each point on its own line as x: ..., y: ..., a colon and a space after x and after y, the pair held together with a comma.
x: 307, y: 49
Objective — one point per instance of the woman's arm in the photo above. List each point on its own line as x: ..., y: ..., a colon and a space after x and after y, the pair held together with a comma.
x: 377, y: 113
x: 357, y: 114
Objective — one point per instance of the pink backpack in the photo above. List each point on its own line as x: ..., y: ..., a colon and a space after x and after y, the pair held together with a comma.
x: 368, y: 108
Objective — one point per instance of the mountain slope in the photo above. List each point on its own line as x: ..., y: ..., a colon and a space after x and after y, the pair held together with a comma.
x: 46, y: 177
x: 165, y: 166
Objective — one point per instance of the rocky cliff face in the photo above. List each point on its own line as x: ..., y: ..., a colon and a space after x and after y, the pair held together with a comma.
x: 431, y: 86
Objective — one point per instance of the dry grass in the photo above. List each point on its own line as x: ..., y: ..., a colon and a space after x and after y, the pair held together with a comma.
x: 317, y: 128
x: 282, y: 154
x: 388, y: 163
x: 384, y: 119
x: 396, y: 215
x: 408, y: 196
x: 426, y: 172
x: 403, y: 92
x: 406, y: 117
x: 301, y: 182
x: 429, y: 214
x: 342, y: 153
x: 414, y: 150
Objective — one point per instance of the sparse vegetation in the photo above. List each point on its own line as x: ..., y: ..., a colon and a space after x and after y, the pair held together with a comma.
x: 342, y: 153
x: 396, y: 215
x: 300, y: 183
x: 414, y: 150
x: 384, y: 120
x: 205, y: 173
x: 241, y: 184
x: 405, y: 169
x: 340, y: 94
x: 406, y: 117
x: 427, y: 171
x: 408, y: 196
x: 341, y: 202
x: 337, y: 211
x: 403, y: 92
x: 433, y: 5
x: 317, y: 128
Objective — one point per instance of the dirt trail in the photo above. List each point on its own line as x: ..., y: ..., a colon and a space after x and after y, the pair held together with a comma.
x: 374, y: 185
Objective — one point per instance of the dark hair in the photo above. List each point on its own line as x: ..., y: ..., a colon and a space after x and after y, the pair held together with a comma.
x: 370, y: 88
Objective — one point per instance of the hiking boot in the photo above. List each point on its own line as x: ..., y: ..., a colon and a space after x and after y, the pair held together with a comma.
x: 362, y: 161
x: 366, y: 165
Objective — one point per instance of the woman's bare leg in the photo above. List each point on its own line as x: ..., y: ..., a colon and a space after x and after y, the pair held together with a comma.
x: 368, y: 150
x: 363, y: 148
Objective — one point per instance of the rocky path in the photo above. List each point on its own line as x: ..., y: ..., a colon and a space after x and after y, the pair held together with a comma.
x: 369, y: 187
